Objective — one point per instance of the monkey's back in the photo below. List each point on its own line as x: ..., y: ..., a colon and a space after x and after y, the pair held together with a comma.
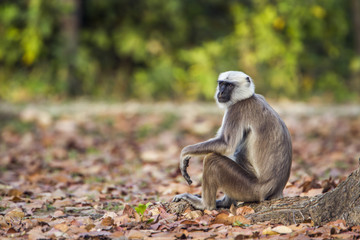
x: 266, y: 144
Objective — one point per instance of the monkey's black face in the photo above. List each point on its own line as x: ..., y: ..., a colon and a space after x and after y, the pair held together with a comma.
x: 225, y: 91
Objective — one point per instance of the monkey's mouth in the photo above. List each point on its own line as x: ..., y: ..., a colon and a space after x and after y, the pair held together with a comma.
x: 223, y: 99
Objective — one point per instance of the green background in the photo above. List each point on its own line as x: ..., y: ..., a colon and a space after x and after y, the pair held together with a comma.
x: 175, y: 49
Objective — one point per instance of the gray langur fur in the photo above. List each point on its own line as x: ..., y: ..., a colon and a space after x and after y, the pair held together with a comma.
x: 250, y: 157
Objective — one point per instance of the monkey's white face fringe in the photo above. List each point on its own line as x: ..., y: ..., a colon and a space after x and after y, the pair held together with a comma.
x: 243, y: 89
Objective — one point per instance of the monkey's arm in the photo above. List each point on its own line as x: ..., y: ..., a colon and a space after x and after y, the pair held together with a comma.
x: 217, y: 145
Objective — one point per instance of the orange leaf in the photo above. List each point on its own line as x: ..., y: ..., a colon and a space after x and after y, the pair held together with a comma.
x: 62, y: 227
x: 244, y: 210
x: 108, y: 221
x: 229, y: 220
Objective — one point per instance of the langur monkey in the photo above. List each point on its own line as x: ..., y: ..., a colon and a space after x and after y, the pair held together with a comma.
x: 250, y: 157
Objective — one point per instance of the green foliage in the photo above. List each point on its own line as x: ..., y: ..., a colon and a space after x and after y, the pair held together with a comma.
x: 159, y: 50
x: 141, y: 208
x: 237, y: 223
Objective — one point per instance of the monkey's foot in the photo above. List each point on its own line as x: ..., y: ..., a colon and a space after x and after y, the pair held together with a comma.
x: 194, y: 201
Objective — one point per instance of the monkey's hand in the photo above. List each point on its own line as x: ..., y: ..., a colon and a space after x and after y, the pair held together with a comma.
x: 184, y: 163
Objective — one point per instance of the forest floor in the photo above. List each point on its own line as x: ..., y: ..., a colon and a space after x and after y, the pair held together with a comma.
x: 104, y: 171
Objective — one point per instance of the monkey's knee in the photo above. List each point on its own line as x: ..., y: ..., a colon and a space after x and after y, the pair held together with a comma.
x: 211, y: 159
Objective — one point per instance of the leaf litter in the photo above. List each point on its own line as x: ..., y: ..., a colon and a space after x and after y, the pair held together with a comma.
x: 110, y: 175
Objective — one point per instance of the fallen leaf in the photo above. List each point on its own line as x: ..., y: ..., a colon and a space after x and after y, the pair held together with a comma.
x: 15, y: 215
x: 120, y: 220
x: 11, y: 231
x: 233, y: 209
x: 269, y: 231
x: 108, y: 221
x: 128, y: 210
x: 58, y: 213
x: 63, y: 203
x: 36, y: 233
x: 16, y: 199
x: 244, y: 210
x: 282, y: 230
x: 229, y: 220
x: 189, y: 222
x: 58, y: 194
x: 312, y: 192
x: 89, y: 227
x: 62, y: 227
x: 14, y: 193
x: 240, y: 233
x: 135, y: 234
x: 193, y: 214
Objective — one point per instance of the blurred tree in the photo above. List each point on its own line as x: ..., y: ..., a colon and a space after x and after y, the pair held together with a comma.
x: 355, y: 6
x: 70, y: 23
x: 157, y: 49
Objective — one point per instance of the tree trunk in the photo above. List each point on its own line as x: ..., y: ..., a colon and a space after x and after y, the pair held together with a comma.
x: 70, y: 29
x: 341, y: 203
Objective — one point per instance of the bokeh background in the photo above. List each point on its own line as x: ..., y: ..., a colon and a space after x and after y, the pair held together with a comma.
x: 174, y: 50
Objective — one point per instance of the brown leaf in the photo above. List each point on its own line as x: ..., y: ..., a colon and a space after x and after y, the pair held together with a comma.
x: 89, y: 227
x: 229, y: 220
x: 135, y: 234
x: 14, y: 193
x: 58, y: 194
x: 193, y: 214
x: 16, y: 199
x: 14, y: 215
x: 244, y: 211
x: 62, y: 227
x: 355, y: 229
x: 108, y: 221
x: 189, y: 222
x: 58, y: 213
x: 11, y: 231
x: 233, y: 209
x: 121, y: 220
x: 63, y: 203
x: 36, y: 233
x: 30, y: 207
x: 128, y: 210
x: 241, y: 233
x: 312, y: 192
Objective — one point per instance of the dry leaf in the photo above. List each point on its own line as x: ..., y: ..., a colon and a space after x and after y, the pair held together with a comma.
x: 58, y: 194
x: 135, y: 234
x: 193, y: 214
x: 269, y: 231
x: 233, y: 209
x: 229, y: 220
x: 312, y: 192
x: 121, y: 220
x: 58, y: 213
x: 62, y: 227
x: 244, y: 210
x: 14, y: 193
x: 189, y: 222
x: 282, y: 230
x: 63, y: 203
x: 14, y: 215
x: 89, y: 227
x: 108, y: 221
x: 36, y: 233
x: 128, y: 210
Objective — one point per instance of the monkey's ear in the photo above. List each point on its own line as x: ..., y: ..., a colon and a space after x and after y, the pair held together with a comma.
x: 248, y: 79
